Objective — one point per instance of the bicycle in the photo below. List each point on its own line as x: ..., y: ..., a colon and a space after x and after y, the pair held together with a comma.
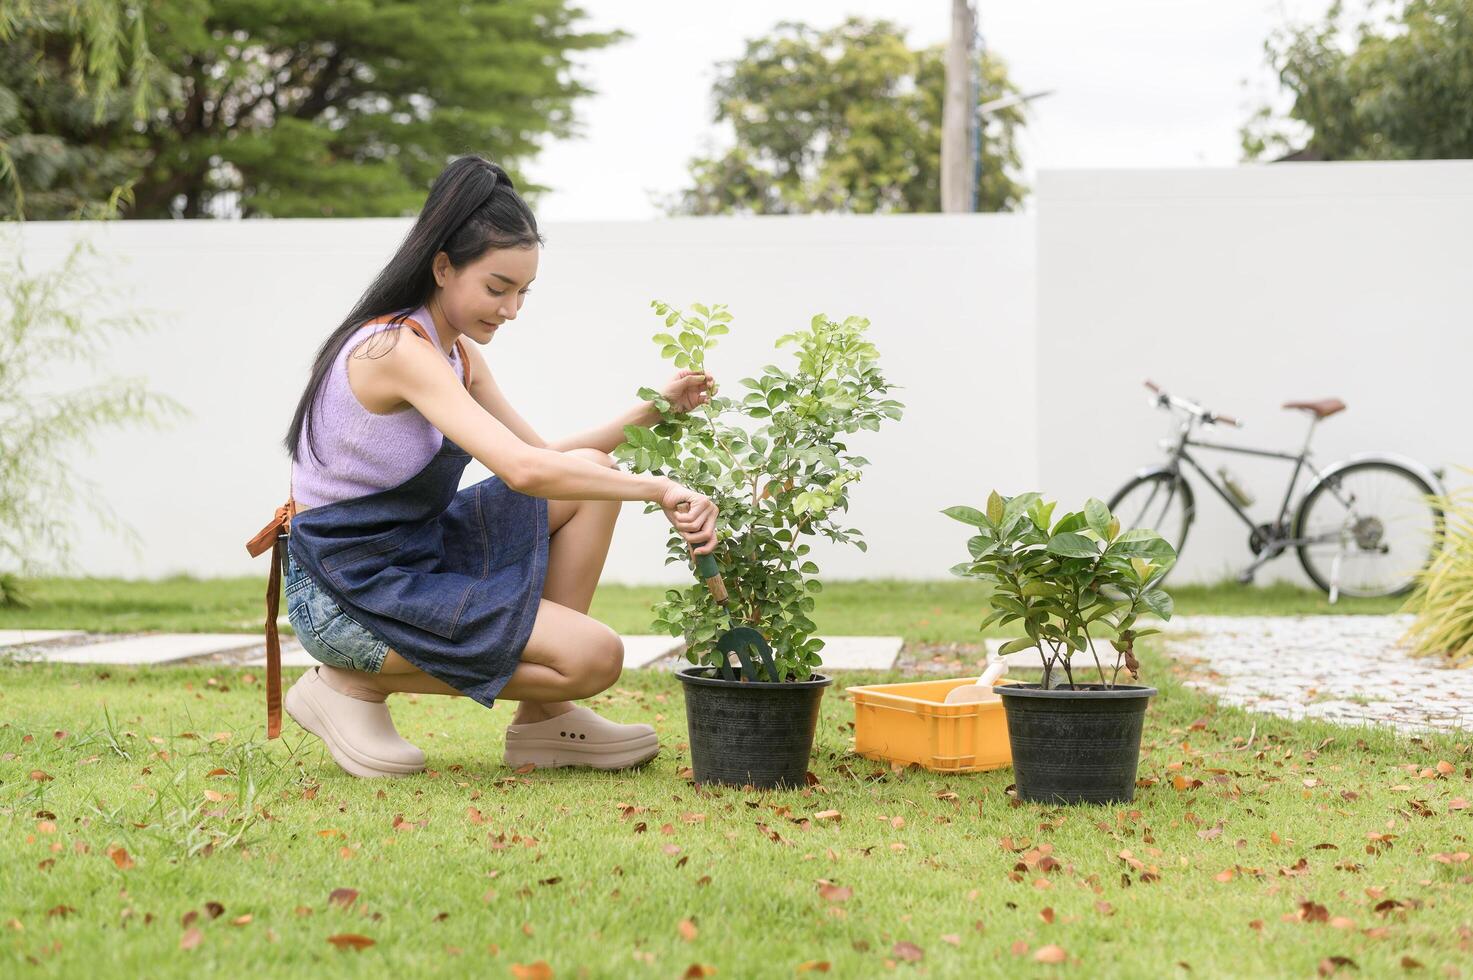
x: 1365, y: 527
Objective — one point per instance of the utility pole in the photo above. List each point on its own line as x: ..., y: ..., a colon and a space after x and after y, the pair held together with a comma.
x: 958, y: 112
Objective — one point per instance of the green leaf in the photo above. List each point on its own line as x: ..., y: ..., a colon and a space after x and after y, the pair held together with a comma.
x: 1013, y: 646
x: 1159, y: 603
x: 980, y: 546
x: 1097, y: 515
x: 995, y: 507
x: 1070, y: 545
x: 967, y: 515
x: 1070, y: 522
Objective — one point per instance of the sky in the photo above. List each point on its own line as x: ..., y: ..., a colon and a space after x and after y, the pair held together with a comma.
x: 1137, y: 83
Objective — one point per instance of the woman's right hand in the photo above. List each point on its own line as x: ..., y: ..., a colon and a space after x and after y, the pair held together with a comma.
x: 693, y: 514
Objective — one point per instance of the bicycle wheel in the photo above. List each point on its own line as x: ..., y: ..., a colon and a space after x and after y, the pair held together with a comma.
x: 1368, y: 529
x: 1160, y: 501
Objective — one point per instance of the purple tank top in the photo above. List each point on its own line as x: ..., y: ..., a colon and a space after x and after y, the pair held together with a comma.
x: 359, y: 452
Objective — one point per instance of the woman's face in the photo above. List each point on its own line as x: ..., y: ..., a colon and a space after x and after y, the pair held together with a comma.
x: 487, y: 292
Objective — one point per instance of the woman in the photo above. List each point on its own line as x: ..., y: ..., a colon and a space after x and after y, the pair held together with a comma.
x: 398, y: 582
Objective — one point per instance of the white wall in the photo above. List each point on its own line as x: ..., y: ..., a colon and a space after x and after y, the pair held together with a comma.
x: 1244, y: 288
x: 240, y: 308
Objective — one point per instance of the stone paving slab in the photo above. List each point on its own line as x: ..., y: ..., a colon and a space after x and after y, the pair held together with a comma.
x: 17, y: 638
x: 156, y: 648
x: 1347, y: 669
x: 860, y: 652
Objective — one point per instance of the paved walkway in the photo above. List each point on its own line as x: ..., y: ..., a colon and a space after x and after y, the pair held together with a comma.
x: 248, y: 649
x: 1349, y: 669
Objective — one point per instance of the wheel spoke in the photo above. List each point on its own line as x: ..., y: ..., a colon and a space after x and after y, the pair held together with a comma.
x: 1376, y: 524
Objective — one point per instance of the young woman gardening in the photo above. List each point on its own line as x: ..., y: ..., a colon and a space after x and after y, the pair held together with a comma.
x: 396, y: 581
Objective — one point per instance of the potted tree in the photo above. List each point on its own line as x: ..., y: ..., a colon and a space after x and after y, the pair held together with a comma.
x: 777, y: 464
x: 1070, y: 583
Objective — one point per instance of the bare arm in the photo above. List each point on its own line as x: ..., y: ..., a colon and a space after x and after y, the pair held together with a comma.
x: 416, y: 373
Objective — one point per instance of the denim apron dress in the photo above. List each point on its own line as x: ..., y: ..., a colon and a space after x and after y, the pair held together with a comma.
x: 450, y: 579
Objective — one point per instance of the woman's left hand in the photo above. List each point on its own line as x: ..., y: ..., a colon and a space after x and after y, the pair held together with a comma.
x: 688, y: 389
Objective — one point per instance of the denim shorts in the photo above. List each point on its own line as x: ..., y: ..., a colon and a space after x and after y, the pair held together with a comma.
x: 330, y: 635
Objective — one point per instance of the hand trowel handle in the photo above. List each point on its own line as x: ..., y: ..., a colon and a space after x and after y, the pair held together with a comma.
x: 706, y: 569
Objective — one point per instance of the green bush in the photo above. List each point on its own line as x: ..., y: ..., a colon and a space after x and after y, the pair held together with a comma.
x: 782, y: 475
x: 1443, y: 599
x: 1065, y: 582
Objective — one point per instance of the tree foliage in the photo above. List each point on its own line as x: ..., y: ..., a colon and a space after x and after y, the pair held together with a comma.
x: 287, y: 108
x: 1396, y: 87
x: 846, y: 120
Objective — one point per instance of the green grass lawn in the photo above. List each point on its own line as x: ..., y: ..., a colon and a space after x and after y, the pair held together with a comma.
x: 921, y: 611
x: 146, y: 829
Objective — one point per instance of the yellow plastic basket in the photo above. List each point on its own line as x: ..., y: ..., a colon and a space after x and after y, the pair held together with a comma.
x: 913, y: 723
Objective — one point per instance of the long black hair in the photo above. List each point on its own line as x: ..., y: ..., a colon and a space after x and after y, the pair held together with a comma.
x: 472, y: 208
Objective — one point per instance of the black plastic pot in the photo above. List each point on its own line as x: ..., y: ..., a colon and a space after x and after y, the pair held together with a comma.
x: 750, y: 732
x: 1075, y: 745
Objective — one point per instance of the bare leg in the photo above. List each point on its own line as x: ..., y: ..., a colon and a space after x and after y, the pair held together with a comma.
x: 575, y: 559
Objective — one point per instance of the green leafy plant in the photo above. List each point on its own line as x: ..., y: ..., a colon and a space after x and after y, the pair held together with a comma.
x: 1443, y: 599
x: 777, y: 464
x: 1066, y: 583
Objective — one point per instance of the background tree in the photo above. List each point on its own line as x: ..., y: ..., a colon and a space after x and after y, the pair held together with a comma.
x: 1398, y: 86
x: 291, y: 107
x: 54, y: 321
x: 846, y: 119
x: 67, y: 67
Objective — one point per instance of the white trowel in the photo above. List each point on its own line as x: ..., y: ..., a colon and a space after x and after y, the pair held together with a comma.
x: 982, y: 689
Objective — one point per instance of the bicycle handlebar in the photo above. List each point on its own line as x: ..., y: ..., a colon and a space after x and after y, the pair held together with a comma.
x: 1164, y: 400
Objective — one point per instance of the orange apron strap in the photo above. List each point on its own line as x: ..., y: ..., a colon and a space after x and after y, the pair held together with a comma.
x: 465, y: 362
x: 273, y: 536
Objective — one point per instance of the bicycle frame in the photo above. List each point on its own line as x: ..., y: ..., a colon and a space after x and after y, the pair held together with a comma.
x: 1276, y: 544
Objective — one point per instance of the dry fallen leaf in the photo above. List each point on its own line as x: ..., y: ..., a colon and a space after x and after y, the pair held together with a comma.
x: 191, y: 939
x: 821, y: 966
x: 350, y: 940
x: 688, y: 930
x: 909, y: 952
x: 342, y: 897
x: 120, y: 857
x: 835, y: 892
x: 1313, y: 912
x: 697, y: 970
x: 1051, y: 954
x: 532, y: 971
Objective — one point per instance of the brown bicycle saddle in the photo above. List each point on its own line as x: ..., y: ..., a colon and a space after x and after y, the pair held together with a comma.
x: 1322, y: 409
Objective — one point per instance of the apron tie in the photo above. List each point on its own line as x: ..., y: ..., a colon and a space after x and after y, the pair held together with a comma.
x: 273, y: 536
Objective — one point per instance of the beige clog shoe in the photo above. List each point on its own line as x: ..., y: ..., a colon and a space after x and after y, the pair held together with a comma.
x: 580, y: 738
x: 360, y: 735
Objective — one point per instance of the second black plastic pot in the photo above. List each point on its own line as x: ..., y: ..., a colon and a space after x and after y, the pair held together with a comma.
x: 750, y: 732
x: 1075, y: 745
